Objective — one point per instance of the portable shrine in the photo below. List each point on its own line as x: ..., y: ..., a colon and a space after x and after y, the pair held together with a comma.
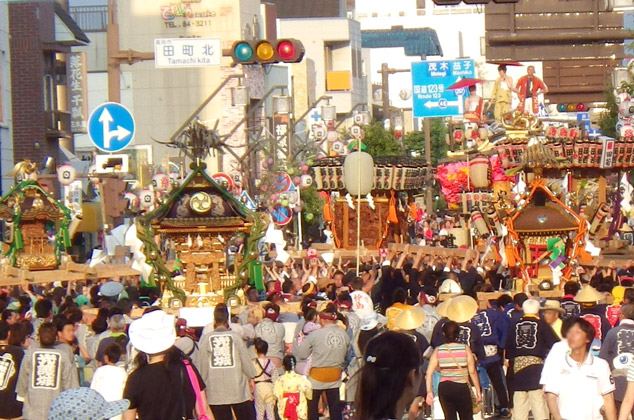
x: 210, y: 234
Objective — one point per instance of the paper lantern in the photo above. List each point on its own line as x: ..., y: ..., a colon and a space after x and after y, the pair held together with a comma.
x: 146, y: 198
x: 338, y: 147
x: 358, y: 173
x: 161, y: 182
x: 479, y: 172
x: 74, y: 225
x: 479, y: 223
x: 66, y: 174
x: 133, y: 199
x: 306, y: 181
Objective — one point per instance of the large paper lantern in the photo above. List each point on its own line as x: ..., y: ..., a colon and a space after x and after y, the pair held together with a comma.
x: 358, y: 173
x: 479, y: 172
x: 66, y: 174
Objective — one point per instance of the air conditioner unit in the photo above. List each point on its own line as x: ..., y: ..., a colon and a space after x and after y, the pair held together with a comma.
x: 620, y: 75
x: 111, y: 164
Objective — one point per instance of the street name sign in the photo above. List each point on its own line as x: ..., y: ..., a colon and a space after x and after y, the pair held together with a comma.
x: 187, y: 52
x: 111, y: 127
x: 430, y: 80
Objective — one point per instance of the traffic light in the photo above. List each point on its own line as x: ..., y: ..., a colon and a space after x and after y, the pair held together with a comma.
x: 266, y: 52
x: 447, y: 2
x: 572, y: 107
x: 476, y: 1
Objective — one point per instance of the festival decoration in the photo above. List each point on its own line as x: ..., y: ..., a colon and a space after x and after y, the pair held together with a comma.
x: 35, y: 225
x: 358, y: 171
x: 202, y: 206
x: 66, y: 174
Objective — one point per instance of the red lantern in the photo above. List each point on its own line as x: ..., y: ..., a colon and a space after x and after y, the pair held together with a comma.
x: 563, y: 132
x: 458, y: 135
x: 574, y: 133
x: 551, y: 132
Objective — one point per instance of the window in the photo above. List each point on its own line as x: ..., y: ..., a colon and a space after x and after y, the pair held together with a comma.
x: 420, y: 4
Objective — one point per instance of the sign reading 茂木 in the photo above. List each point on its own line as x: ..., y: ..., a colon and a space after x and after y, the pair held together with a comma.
x: 187, y: 52
x: 111, y: 127
x: 430, y: 80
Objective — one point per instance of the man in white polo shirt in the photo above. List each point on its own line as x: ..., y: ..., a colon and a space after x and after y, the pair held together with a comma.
x: 582, y: 384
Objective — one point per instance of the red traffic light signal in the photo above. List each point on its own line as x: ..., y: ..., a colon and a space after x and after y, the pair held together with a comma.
x: 266, y: 52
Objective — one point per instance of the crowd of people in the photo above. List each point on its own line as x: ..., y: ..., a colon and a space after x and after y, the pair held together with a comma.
x: 322, y: 341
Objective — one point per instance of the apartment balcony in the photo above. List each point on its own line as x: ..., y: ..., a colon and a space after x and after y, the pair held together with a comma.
x: 90, y: 18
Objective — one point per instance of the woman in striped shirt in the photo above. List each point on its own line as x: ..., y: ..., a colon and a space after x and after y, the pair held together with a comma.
x: 453, y: 360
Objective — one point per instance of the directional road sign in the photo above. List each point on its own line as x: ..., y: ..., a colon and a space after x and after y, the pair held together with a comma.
x: 430, y: 80
x: 187, y: 52
x: 111, y: 127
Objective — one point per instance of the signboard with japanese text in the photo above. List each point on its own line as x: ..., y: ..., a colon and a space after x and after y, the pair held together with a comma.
x: 430, y: 80
x: 73, y: 195
x: 187, y: 52
x: 77, y: 91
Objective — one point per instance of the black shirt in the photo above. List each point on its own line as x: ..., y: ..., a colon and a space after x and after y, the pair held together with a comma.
x: 468, y: 279
x: 160, y: 392
x: 10, y: 359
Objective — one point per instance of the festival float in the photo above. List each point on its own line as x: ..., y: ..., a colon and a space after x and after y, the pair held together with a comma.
x: 534, y: 194
x: 384, y: 211
x: 36, y: 232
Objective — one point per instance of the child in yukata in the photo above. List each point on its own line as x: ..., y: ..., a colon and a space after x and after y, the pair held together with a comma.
x: 265, y: 376
x: 312, y: 324
x: 292, y: 391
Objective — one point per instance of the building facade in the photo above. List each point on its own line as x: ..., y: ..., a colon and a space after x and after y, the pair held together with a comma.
x: 459, y: 30
x: 579, y: 43
x: 162, y: 99
x: 41, y: 34
x: 333, y: 45
x: 6, y: 138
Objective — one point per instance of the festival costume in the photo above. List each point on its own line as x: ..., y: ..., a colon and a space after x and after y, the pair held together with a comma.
x: 292, y: 392
x: 263, y: 395
x: 535, y: 85
x: 528, y: 343
x: 474, y: 112
x: 502, y: 96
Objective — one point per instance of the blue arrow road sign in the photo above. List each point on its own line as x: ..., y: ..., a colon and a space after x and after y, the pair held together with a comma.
x: 430, y: 80
x: 111, y: 127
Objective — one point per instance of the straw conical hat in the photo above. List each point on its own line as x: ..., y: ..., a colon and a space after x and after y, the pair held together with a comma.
x: 450, y: 286
x: 441, y: 309
x: 588, y: 294
x: 625, y: 228
x: 410, y: 319
x: 462, y: 308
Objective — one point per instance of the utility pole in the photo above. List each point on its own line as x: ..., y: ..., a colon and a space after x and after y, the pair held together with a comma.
x: 385, y: 83
x: 429, y: 203
x: 116, y: 56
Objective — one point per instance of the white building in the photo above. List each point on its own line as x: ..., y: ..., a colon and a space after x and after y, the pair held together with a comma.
x: 161, y: 99
x: 460, y: 31
x: 6, y: 141
x: 333, y: 44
